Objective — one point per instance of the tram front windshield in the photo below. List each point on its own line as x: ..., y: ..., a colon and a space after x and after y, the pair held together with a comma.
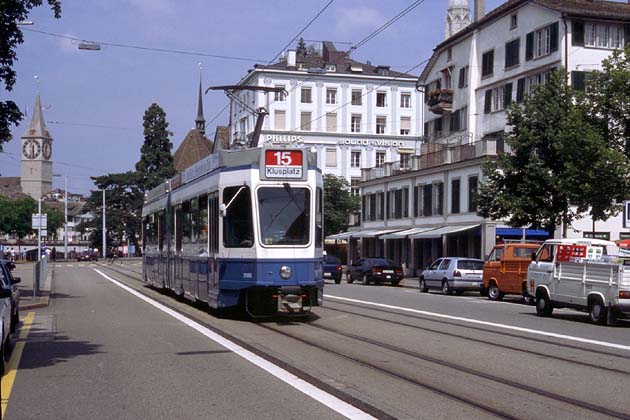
x: 284, y: 215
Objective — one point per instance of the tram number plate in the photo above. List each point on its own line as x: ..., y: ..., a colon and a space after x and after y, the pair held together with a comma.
x: 283, y: 164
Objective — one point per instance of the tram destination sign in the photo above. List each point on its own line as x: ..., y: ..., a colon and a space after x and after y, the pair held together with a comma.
x: 284, y: 164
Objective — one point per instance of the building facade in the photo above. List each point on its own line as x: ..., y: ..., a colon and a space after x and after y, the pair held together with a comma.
x: 471, y: 79
x: 354, y: 115
x: 37, y: 148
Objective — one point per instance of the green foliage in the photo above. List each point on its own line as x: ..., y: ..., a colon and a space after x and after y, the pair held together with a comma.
x: 156, y: 160
x: 338, y: 204
x: 301, y: 48
x: 54, y: 219
x: 12, y: 12
x: 559, y: 167
x: 15, y: 215
x: 124, y: 196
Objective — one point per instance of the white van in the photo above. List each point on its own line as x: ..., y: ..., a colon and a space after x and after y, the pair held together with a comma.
x: 583, y: 274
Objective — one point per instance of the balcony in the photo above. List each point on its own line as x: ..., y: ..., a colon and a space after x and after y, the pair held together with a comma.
x: 440, y: 101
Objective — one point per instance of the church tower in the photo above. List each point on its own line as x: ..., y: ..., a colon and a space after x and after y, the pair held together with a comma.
x: 36, y: 155
x: 200, y: 122
x: 457, y: 17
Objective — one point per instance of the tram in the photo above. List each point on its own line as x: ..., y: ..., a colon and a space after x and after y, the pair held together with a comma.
x: 240, y: 229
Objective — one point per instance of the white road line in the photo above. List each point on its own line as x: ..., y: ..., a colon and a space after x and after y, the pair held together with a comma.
x: 310, y: 390
x: 486, y: 323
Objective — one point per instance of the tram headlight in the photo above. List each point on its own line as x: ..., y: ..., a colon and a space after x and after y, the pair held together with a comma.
x: 285, y: 272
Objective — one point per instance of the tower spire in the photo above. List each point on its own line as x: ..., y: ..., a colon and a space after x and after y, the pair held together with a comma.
x: 200, y: 122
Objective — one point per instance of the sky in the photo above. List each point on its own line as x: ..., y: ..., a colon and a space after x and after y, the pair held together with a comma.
x: 94, y: 101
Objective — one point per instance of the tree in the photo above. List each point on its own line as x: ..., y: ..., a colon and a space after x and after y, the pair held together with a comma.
x: 301, y: 48
x: 15, y: 215
x: 124, y: 197
x: 54, y: 219
x: 554, y: 172
x: 156, y: 160
x: 12, y: 12
x: 339, y: 203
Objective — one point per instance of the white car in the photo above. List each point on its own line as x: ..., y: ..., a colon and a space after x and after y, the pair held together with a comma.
x: 5, y: 321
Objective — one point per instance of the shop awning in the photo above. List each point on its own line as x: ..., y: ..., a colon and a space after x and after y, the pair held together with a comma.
x: 444, y: 230
x: 507, y: 231
x: 374, y: 233
x: 343, y: 235
x: 405, y: 233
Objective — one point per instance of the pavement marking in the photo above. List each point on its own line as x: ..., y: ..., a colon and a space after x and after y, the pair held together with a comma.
x: 301, y: 385
x: 486, y: 323
x: 9, y: 377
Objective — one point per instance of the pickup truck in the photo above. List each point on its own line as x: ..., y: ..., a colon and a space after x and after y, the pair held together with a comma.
x: 582, y: 274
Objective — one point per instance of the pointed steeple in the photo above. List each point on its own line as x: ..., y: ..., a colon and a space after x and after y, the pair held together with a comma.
x: 200, y: 122
x: 37, y: 128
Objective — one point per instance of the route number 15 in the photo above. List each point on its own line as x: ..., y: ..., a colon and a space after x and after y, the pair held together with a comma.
x: 283, y: 158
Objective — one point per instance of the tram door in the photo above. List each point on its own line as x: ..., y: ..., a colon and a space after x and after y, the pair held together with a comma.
x: 213, y: 248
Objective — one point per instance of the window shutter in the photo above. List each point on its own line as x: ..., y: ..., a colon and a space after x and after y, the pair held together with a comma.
x: 529, y: 46
x: 387, y: 201
x: 554, y: 36
x: 462, y: 77
x: 382, y: 206
x: 507, y: 98
x: 415, y: 201
x: 405, y: 200
x: 454, y: 121
x: 577, y: 35
x: 520, y: 90
x: 364, y: 208
x: 488, y: 103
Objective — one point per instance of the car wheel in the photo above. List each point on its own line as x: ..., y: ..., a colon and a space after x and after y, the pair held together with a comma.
x: 597, y: 311
x: 365, y: 280
x: 494, y: 293
x: 446, y: 289
x: 544, y: 307
x: 423, y: 286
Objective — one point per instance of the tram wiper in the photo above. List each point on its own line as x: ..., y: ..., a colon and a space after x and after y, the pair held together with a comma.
x: 224, y: 207
x: 295, y: 200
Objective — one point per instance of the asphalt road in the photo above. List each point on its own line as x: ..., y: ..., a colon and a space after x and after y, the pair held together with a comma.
x: 100, y: 352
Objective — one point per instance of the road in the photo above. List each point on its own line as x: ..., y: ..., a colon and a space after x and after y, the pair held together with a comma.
x: 103, y: 351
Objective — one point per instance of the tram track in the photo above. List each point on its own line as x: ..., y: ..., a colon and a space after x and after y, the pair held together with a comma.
x: 423, y: 383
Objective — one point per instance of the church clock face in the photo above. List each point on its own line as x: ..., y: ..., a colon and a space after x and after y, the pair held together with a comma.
x: 47, y: 149
x: 31, y: 149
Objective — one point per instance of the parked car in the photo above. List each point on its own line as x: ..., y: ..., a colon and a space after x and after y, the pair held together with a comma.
x: 375, y: 270
x: 87, y: 256
x: 5, y: 321
x: 505, y: 271
x: 11, y: 283
x: 332, y: 268
x: 453, y: 275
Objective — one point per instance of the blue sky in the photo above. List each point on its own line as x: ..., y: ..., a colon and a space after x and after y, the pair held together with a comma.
x: 94, y: 100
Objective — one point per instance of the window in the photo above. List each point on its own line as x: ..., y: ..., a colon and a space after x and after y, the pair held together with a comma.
x: 448, y: 79
x: 405, y: 100
x: 331, y: 122
x: 541, y: 42
x: 514, y: 21
x: 463, y: 118
x: 331, y: 158
x: 438, y: 199
x: 237, y: 223
x: 427, y: 195
x: 331, y: 96
x: 463, y: 77
x: 472, y: 194
x: 355, y: 159
x: 305, y: 121
x: 280, y: 120
x: 405, y: 126
x: 306, y: 95
x: 405, y: 160
x: 202, y: 220
x: 520, y: 90
x: 381, y: 98
x: 355, y: 124
x: 280, y: 96
x: 500, y: 98
x: 455, y: 196
x: 512, y: 50
x: 380, y: 159
x: 600, y: 35
x: 578, y: 80
x: 354, y: 186
x: 356, y: 97
x: 454, y: 123
x: 487, y: 66
x: 284, y: 215
x: 381, y: 125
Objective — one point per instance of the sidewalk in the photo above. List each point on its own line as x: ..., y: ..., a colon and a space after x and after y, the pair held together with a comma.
x: 27, y: 300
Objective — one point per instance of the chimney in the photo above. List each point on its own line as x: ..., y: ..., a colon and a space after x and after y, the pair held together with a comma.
x: 480, y: 9
x: 291, y: 58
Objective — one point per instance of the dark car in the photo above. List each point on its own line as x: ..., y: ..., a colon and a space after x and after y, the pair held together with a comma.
x: 7, y: 281
x: 375, y: 270
x: 87, y: 256
x: 332, y: 268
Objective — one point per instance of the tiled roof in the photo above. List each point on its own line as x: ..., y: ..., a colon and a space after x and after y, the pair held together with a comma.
x: 194, y: 148
x: 222, y: 137
x: 74, y: 208
x: 11, y: 187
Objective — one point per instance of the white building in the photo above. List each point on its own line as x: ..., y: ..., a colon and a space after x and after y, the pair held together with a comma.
x: 469, y: 81
x: 354, y: 115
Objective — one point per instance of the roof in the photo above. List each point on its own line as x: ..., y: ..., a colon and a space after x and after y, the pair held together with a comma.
x: 11, y: 187
x: 74, y: 208
x: 194, y: 148
x: 37, y: 128
x: 600, y: 9
x: 341, y: 59
x: 222, y: 137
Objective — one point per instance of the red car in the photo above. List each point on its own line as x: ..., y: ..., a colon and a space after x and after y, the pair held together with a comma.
x: 87, y: 256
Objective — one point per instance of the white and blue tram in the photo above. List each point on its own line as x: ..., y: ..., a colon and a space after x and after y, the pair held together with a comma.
x: 239, y: 228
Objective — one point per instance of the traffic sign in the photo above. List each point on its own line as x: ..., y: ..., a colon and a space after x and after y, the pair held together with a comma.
x: 35, y: 219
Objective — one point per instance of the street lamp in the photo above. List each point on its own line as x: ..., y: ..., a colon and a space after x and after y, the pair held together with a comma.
x: 104, y: 229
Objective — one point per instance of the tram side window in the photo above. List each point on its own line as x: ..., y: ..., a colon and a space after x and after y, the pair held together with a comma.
x: 237, y: 223
x: 194, y: 220
x: 186, y: 222
x: 179, y: 222
x: 213, y: 228
x: 150, y: 229
x: 202, y: 222
x: 319, y: 226
x: 161, y: 228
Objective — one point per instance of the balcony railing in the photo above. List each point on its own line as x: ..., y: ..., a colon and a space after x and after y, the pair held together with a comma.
x: 440, y: 101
